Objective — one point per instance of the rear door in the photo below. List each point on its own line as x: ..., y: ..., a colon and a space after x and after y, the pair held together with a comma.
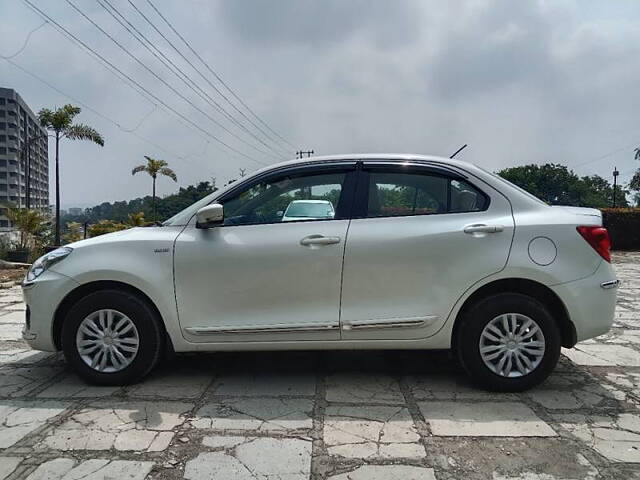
x: 420, y: 236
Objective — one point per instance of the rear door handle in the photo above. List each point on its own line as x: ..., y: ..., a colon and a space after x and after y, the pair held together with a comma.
x: 311, y: 240
x: 481, y: 228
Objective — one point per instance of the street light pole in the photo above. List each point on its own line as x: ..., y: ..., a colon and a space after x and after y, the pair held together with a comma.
x: 615, y: 184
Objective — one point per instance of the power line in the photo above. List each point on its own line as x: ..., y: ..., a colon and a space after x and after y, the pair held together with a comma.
x: 173, y: 68
x: 601, y: 157
x: 216, y: 75
x: 26, y: 41
x: 98, y: 113
x: 138, y: 87
x: 212, y: 85
x: 163, y: 81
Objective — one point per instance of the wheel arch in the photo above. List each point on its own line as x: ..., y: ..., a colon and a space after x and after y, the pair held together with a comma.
x: 528, y: 287
x: 87, y: 288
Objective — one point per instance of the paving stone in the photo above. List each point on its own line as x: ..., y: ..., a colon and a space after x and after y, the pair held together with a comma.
x: 256, y: 459
x: 71, y: 386
x: 266, y: 385
x: 10, y: 315
x: 223, y: 442
x: 11, y: 331
x: 19, y: 418
x: 22, y: 356
x: 362, y: 388
x: 15, y: 307
x: 387, y: 472
x: 503, y: 419
x: 171, y: 384
x: 141, y: 426
x: 263, y: 414
x: 589, y: 473
x: 371, y: 431
x: 8, y: 465
x: 13, y: 295
x: 448, y: 386
x: 629, y: 380
x: 617, y: 438
x: 95, y: 469
x: 17, y: 381
x: 555, y: 400
x: 603, y: 355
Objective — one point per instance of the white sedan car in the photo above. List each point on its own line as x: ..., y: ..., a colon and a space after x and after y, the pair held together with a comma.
x: 308, y: 210
x: 422, y: 253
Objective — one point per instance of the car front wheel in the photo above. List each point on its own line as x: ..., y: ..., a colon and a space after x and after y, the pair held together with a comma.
x: 508, y: 342
x: 111, y: 337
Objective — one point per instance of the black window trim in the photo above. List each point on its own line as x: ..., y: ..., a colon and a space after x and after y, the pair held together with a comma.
x: 347, y: 194
x: 361, y: 204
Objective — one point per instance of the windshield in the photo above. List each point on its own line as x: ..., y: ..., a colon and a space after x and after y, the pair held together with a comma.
x: 310, y: 210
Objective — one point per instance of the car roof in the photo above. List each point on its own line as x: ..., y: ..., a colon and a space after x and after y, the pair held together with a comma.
x: 392, y: 157
x: 310, y: 201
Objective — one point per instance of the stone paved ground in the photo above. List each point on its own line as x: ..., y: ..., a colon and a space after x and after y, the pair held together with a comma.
x: 325, y: 415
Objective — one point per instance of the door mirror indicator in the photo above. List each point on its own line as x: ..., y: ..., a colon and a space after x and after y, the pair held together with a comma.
x: 210, y: 216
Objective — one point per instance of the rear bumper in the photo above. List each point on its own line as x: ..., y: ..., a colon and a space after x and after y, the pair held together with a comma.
x: 591, y: 301
x: 42, y: 299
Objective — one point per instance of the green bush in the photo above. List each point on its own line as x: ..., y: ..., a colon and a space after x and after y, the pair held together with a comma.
x: 623, y: 225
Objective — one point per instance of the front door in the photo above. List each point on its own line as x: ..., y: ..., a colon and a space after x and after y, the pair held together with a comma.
x: 264, y: 275
x: 424, y: 236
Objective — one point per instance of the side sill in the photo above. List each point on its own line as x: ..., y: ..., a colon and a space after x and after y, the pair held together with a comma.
x: 414, y: 322
x: 264, y: 329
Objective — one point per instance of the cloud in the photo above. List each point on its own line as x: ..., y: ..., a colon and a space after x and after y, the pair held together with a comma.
x: 520, y: 82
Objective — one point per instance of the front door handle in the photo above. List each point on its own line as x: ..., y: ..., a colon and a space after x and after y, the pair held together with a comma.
x: 481, y: 228
x: 311, y: 240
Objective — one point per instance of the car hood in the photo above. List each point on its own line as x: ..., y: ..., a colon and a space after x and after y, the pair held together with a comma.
x: 129, y: 233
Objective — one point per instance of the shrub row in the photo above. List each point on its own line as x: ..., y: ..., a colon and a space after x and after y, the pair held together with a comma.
x: 623, y: 225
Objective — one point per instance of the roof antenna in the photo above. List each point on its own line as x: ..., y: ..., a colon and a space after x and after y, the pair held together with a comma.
x: 459, y: 150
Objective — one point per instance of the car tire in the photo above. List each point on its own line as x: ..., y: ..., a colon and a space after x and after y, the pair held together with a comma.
x: 486, y: 344
x: 131, y: 345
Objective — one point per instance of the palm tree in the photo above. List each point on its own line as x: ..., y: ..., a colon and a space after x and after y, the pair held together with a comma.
x: 60, y: 122
x: 154, y: 167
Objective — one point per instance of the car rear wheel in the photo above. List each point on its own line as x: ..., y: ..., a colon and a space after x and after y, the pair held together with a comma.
x: 508, y: 342
x: 111, y: 337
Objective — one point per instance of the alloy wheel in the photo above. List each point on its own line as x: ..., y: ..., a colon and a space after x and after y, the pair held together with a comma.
x: 512, y: 345
x: 107, y: 340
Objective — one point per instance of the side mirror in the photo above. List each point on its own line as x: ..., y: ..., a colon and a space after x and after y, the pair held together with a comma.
x: 210, y: 216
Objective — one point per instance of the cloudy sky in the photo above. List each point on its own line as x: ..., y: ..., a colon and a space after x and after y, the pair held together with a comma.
x: 519, y: 81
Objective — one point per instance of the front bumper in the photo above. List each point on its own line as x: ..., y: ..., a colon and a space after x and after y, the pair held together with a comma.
x: 42, y: 298
x: 591, y: 301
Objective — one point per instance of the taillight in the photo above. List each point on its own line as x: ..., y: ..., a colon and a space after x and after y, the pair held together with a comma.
x: 598, y: 238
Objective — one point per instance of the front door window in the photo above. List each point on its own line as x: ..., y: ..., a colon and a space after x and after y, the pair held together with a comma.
x: 287, y: 199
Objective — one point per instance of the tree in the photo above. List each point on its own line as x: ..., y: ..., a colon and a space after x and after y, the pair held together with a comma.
x: 136, y: 219
x: 634, y: 184
x: 105, y: 226
x: 30, y: 224
x: 73, y: 232
x: 154, y: 167
x: 557, y: 185
x: 60, y: 122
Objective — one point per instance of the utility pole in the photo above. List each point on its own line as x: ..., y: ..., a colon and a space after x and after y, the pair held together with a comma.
x: 302, y: 153
x: 615, y: 184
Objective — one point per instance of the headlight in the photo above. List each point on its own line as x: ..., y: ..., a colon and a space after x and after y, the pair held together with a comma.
x: 45, y: 261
